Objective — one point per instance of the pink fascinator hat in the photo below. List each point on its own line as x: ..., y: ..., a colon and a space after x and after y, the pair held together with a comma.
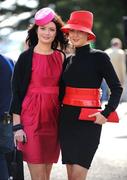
x: 44, y: 16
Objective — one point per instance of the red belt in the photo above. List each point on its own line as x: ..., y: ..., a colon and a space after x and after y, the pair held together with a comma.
x: 82, y: 97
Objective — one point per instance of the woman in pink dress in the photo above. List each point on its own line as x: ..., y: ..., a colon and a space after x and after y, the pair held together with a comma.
x: 35, y: 103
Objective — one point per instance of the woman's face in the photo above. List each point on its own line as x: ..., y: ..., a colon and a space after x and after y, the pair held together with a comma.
x: 78, y: 38
x: 46, y: 33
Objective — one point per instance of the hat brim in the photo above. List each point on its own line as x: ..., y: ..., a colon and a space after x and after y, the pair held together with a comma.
x: 67, y: 27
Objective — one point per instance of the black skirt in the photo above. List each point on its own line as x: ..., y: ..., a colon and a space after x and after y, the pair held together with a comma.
x: 79, y: 139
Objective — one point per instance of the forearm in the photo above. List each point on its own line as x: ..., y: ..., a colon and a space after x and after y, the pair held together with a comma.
x: 16, y: 119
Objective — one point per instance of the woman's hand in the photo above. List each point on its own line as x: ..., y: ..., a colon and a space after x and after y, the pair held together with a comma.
x: 100, y: 119
x: 20, y: 136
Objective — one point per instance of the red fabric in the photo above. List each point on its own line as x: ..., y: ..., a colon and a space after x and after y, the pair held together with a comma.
x: 82, y: 97
x: 81, y: 21
x: 40, y: 110
x: 85, y: 97
x: 85, y: 112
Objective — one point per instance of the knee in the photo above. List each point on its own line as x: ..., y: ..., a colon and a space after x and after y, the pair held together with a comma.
x: 38, y: 175
x: 79, y: 174
x: 76, y: 176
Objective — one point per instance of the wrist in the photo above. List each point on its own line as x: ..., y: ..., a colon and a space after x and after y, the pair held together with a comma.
x: 17, y: 127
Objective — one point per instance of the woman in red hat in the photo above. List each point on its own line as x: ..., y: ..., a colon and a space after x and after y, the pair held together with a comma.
x: 35, y: 104
x: 81, y: 120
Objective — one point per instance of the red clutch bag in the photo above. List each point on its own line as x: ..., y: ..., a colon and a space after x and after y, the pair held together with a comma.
x: 85, y: 112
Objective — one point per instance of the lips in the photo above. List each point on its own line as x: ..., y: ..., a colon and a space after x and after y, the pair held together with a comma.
x: 75, y: 40
x: 46, y: 38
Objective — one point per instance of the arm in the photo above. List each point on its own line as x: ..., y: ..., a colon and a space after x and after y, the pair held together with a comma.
x: 19, y: 134
x: 109, y: 74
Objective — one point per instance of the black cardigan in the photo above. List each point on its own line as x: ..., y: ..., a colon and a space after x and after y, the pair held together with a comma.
x: 21, y: 79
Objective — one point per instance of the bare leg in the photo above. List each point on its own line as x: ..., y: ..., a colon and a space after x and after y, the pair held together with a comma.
x: 69, y: 171
x: 37, y: 171
x: 76, y: 172
x: 48, y: 171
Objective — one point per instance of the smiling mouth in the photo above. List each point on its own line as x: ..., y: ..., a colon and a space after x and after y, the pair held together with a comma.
x: 46, y: 38
x: 75, y: 40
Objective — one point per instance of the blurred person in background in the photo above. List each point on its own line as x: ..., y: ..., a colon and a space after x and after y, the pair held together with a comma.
x: 35, y: 84
x: 118, y: 59
x: 6, y: 69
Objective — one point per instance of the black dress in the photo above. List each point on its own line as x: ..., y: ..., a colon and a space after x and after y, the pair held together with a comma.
x: 80, y: 139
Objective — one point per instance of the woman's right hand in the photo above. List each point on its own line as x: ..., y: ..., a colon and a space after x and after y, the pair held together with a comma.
x: 100, y: 119
x: 20, y: 136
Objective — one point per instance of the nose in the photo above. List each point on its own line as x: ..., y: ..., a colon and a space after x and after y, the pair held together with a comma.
x: 47, y: 31
x: 75, y: 33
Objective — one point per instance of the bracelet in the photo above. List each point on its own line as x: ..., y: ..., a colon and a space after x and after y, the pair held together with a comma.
x: 17, y: 127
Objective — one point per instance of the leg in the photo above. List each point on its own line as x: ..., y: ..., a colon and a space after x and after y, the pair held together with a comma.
x: 48, y: 171
x: 77, y: 172
x: 3, y: 168
x: 69, y: 171
x: 37, y: 171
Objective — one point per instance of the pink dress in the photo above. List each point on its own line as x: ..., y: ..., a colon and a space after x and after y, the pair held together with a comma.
x: 40, y: 110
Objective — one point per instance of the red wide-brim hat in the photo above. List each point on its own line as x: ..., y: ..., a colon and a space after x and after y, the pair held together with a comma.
x: 81, y: 21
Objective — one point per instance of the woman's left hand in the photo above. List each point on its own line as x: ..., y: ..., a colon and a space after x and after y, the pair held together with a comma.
x: 100, y: 119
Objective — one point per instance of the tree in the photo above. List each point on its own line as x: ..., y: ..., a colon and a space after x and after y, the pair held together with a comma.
x: 107, y: 15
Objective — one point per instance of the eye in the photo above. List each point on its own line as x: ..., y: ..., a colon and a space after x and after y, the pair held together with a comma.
x: 71, y: 30
x: 43, y: 28
x: 52, y: 29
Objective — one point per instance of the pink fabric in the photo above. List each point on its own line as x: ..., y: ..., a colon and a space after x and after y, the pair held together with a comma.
x: 44, y: 16
x: 40, y: 110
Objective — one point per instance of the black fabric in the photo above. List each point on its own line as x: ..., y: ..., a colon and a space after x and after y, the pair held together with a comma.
x: 61, y: 83
x: 6, y: 137
x: 80, y: 139
x: 21, y: 79
x: 6, y: 134
x: 15, y: 164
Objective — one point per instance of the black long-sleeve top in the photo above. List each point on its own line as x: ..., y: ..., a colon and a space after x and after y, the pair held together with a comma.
x: 87, y: 68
